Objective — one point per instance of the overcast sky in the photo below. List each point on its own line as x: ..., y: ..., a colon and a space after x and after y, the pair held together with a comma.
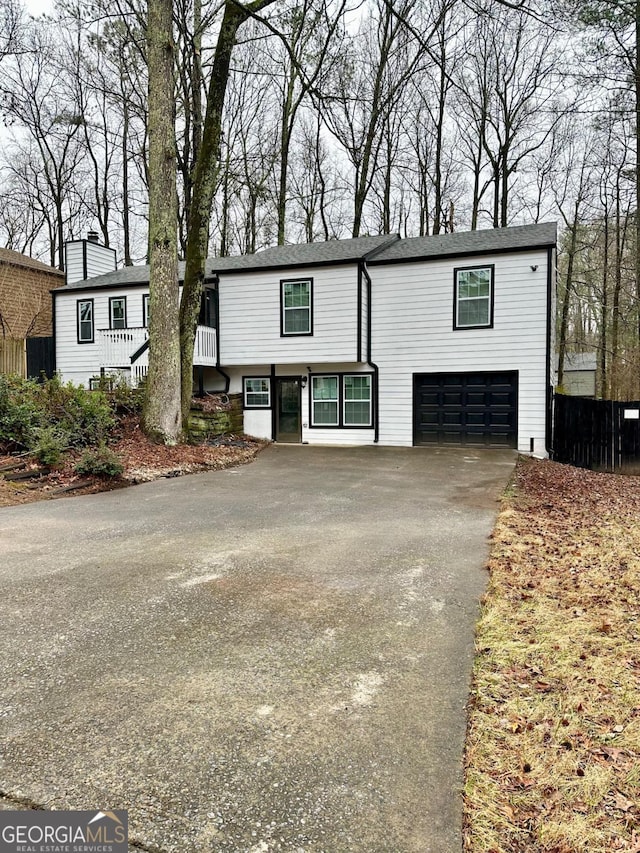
x: 37, y: 7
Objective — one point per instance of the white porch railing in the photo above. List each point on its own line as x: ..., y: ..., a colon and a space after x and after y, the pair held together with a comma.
x: 205, y: 347
x: 118, y: 345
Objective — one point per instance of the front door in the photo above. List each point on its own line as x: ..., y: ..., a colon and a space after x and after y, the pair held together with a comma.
x: 288, y: 420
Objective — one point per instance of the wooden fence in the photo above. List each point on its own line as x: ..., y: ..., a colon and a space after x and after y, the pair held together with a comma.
x: 13, y: 357
x: 598, y: 434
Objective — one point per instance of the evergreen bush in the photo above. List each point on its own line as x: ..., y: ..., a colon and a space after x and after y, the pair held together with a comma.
x: 99, y: 462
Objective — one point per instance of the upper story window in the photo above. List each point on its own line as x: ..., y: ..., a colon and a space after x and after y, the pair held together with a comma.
x: 145, y: 309
x: 473, y: 299
x: 296, y: 301
x: 85, y: 321
x: 118, y: 312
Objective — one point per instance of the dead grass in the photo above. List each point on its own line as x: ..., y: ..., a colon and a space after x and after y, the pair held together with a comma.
x: 553, y: 746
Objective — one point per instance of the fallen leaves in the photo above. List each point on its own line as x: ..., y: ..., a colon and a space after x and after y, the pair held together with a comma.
x: 557, y: 655
x: 143, y: 460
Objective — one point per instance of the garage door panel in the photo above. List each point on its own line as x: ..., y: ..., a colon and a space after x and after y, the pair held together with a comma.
x: 475, y: 408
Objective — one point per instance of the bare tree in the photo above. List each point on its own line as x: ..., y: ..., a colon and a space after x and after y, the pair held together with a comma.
x: 205, y: 179
x: 36, y: 98
x: 162, y: 413
x: 510, y: 81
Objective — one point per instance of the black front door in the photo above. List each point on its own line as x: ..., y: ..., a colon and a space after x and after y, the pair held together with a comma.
x: 288, y: 421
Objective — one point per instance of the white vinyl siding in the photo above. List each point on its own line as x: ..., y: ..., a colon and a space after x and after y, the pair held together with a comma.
x: 250, y: 318
x: 74, y: 262
x: 423, y: 340
x: 78, y: 363
x: 84, y: 259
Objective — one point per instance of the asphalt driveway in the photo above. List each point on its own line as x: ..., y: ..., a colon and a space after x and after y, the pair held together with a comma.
x: 269, y: 658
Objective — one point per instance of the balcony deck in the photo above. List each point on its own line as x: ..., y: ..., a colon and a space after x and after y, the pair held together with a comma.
x: 117, y: 347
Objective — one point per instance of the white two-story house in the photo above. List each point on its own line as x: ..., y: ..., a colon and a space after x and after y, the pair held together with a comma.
x: 429, y: 340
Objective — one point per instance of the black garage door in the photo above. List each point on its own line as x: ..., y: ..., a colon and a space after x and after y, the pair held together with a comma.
x: 466, y: 408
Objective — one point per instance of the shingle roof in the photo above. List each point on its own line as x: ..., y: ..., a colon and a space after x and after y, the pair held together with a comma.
x: 306, y: 254
x: 385, y: 248
x: 9, y: 256
x: 124, y: 277
x: 469, y: 243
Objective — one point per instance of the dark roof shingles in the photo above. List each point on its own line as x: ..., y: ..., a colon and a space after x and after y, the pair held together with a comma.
x: 382, y: 249
x: 481, y: 242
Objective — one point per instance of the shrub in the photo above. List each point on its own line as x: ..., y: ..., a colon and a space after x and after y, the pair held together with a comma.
x: 20, y: 413
x: 84, y: 415
x: 124, y: 398
x: 32, y: 413
x: 48, y: 444
x: 101, y: 462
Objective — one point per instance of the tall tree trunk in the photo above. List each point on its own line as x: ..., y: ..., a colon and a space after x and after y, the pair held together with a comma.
x: 614, y: 377
x: 285, y: 146
x: 204, y: 184
x: 566, y: 298
x: 604, y: 316
x: 442, y: 98
x: 126, y: 226
x: 162, y: 414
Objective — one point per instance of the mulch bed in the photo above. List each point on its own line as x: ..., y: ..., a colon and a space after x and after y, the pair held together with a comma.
x: 142, y: 461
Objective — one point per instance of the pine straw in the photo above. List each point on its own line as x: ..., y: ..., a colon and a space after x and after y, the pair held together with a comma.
x: 553, y: 746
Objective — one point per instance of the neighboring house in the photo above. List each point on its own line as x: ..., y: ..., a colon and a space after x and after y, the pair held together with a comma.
x: 25, y: 306
x: 579, y: 375
x: 442, y: 339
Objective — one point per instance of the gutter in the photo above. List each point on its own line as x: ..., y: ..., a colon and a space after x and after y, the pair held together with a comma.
x: 363, y: 272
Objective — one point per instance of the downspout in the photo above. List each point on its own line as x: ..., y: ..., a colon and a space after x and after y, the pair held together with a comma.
x: 362, y: 271
x: 549, y: 389
x: 227, y: 379
x: 274, y: 401
x: 53, y: 332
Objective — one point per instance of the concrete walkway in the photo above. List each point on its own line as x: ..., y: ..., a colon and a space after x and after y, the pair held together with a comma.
x: 269, y: 658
